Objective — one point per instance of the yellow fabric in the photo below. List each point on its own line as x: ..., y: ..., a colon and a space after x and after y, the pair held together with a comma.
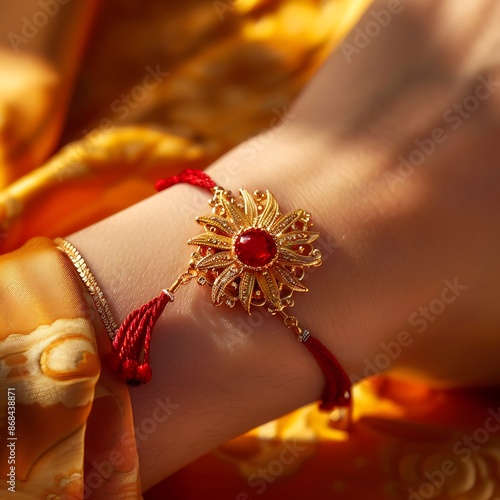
x: 97, y: 100
x: 162, y: 86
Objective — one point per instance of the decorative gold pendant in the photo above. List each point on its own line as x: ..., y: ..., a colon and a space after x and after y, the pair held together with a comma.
x: 249, y: 252
x: 252, y: 253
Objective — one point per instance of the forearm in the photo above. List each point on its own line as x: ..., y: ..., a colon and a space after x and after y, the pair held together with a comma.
x: 386, y: 254
x: 226, y: 371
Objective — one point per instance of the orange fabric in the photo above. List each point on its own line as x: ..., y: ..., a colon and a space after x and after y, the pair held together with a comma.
x: 407, y: 442
x: 160, y: 87
x: 67, y: 413
x: 99, y: 99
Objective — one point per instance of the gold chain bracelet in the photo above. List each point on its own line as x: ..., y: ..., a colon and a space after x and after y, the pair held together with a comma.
x: 90, y: 283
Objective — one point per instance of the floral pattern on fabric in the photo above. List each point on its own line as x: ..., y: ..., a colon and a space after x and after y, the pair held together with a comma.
x: 49, y: 364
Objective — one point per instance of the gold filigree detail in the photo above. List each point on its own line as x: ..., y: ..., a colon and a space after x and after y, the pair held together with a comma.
x: 232, y: 278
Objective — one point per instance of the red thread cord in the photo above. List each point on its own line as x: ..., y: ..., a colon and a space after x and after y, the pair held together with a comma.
x: 193, y: 177
x: 337, y: 391
x: 133, y: 341
x: 131, y: 345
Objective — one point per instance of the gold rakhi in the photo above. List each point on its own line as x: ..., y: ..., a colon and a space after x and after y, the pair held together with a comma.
x: 251, y: 253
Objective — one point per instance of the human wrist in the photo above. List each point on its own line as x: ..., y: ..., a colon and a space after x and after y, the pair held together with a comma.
x: 219, y: 368
x: 199, y: 349
x: 332, y: 182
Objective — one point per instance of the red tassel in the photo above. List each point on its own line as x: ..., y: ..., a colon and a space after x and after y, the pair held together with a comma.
x: 133, y: 339
x: 337, y: 391
x: 131, y: 345
x: 193, y: 177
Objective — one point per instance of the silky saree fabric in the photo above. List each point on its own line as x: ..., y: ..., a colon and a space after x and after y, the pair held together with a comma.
x: 98, y: 100
x: 142, y: 90
x: 65, y: 414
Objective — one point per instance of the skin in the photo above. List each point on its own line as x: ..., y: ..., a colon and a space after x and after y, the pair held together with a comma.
x: 389, y: 240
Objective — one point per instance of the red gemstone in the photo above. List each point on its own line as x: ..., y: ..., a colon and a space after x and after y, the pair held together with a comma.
x: 255, y: 247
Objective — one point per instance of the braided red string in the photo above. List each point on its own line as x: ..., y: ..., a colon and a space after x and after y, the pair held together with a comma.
x: 133, y: 338
x: 337, y: 391
x: 193, y: 177
x: 131, y: 345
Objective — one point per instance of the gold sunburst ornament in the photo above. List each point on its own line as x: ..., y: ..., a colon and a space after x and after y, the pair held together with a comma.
x: 252, y: 253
